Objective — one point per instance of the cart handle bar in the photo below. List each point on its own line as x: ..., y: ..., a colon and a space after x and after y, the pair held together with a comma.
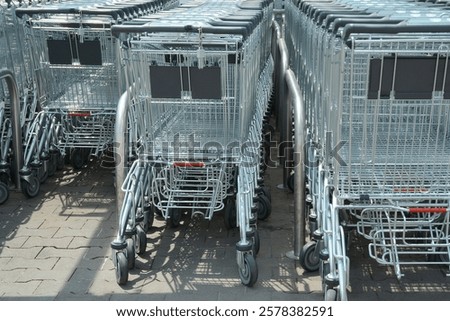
x: 392, y: 29
x: 116, y: 30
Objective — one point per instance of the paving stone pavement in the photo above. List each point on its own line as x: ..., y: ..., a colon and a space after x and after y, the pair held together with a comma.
x: 57, y: 247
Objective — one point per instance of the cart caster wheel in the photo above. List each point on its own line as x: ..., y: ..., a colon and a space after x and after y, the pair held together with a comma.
x: 30, y: 188
x: 443, y: 257
x: 155, y: 210
x: 331, y: 295
x: 60, y: 161
x: 309, y: 259
x: 249, y: 273
x: 229, y: 216
x: 265, y: 190
x: 264, y: 207
x: 4, y: 192
x: 52, y: 165
x: 121, y: 265
x: 78, y: 158
x: 174, y: 217
x: 324, y: 269
x: 256, y: 245
x: 130, y: 251
x: 141, y: 240
x: 290, y: 182
x: 150, y: 215
x: 147, y: 223
x: 4, y: 178
x: 43, y: 174
x: 268, y: 129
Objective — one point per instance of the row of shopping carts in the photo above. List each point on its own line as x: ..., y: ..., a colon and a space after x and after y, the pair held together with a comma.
x: 375, y: 77
x: 180, y: 91
x: 15, y: 66
x: 62, y: 56
x: 198, y: 79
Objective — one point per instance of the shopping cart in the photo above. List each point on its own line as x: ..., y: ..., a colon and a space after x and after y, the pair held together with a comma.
x: 78, y: 76
x: 14, y: 57
x: 375, y: 81
x: 5, y: 142
x: 190, y: 128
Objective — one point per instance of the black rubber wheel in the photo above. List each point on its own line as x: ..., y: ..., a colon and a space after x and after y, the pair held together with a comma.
x: 60, y: 161
x: 309, y: 259
x: 249, y: 273
x: 4, y: 192
x: 150, y: 215
x: 141, y: 240
x: 43, y: 174
x: 155, y: 210
x: 78, y: 158
x: 265, y: 190
x: 331, y: 295
x: 130, y: 253
x: 268, y: 129
x: 290, y: 182
x: 4, y: 178
x: 147, y: 221
x: 52, y: 165
x: 440, y: 257
x: 174, y: 217
x: 229, y: 216
x: 264, y: 207
x: 121, y: 265
x: 31, y: 188
x: 324, y: 269
x: 256, y: 243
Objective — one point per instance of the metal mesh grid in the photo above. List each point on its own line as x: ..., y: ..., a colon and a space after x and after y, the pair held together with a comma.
x: 74, y: 85
x: 224, y: 120
x: 391, y: 145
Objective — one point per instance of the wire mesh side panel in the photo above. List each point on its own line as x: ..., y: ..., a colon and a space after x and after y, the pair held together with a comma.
x: 75, y: 64
x: 394, y: 118
x: 197, y: 89
x: 77, y: 72
x: 183, y: 106
x: 194, y: 92
x: 377, y: 118
x: 186, y: 108
x: 14, y: 51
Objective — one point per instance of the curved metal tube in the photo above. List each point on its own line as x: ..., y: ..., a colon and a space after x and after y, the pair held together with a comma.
x: 120, y: 145
x: 8, y: 76
x: 284, y: 112
x: 295, y: 99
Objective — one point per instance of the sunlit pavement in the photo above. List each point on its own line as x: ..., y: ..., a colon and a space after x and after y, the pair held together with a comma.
x: 57, y: 247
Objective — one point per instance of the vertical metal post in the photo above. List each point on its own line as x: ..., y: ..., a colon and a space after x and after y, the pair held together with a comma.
x: 276, y: 34
x: 285, y: 115
x: 290, y: 103
x: 120, y: 146
x: 15, y: 120
x: 295, y: 99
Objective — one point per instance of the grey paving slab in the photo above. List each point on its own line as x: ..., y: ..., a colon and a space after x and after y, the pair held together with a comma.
x: 24, y: 230
x: 48, y: 289
x: 57, y: 247
x: 39, y: 241
x: 20, y: 263
x: 28, y: 253
x: 20, y: 289
x: 38, y: 274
